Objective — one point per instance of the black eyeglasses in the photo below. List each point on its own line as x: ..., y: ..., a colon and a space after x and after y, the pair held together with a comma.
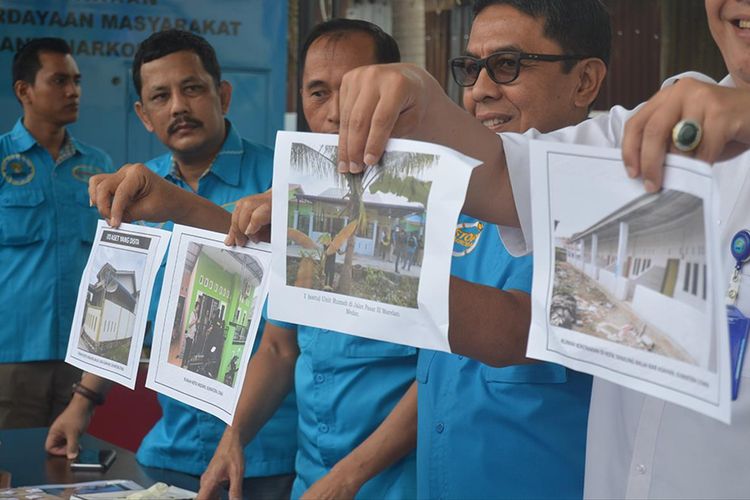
x: 502, y: 67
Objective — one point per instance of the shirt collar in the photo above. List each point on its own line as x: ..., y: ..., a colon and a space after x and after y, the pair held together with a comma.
x: 728, y: 81
x: 227, y: 164
x: 68, y: 149
x: 22, y: 137
x: 25, y: 141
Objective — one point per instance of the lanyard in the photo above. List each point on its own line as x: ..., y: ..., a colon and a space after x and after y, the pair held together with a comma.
x: 739, y: 324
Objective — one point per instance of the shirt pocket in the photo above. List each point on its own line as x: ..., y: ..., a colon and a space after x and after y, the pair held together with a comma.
x: 535, y: 373
x: 21, y: 219
x: 366, y: 348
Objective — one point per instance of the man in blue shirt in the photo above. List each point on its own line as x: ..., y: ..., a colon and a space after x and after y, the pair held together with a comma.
x: 346, y: 386
x: 183, y: 101
x: 495, y: 424
x: 46, y: 230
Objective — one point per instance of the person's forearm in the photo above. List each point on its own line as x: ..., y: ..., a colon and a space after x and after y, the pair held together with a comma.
x: 488, y: 324
x: 394, y: 438
x: 94, y: 383
x: 268, y: 380
x: 197, y: 211
x: 489, y: 196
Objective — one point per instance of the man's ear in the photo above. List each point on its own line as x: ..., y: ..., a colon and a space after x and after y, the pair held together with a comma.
x: 143, y: 116
x: 22, y: 89
x: 225, y: 94
x: 591, y: 75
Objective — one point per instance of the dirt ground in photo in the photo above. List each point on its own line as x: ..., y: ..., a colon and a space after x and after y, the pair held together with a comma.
x: 600, y: 315
x: 119, y: 352
x: 367, y: 283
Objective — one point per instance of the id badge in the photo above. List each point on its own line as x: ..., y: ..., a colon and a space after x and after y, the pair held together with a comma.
x: 739, y: 324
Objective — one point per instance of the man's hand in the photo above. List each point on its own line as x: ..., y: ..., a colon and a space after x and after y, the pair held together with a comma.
x: 402, y: 100
x: 336, y: 485
x: 227, y: 464
x: 66, y: 430
x: 378, y: 102
x: 134, y: 192
x: 722, y: 113
x: 251, y: 219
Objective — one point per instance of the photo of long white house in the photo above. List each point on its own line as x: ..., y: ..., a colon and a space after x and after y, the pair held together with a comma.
x: 109, y: 314
x: 646, y: 261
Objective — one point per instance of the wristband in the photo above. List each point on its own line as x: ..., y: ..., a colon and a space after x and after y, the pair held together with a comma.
x: 93, y: 396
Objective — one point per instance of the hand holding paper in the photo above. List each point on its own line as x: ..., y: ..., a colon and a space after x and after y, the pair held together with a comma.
x: 720, y: 111
x: 332, y: 269
x: 251, y: 219
x: 135, y: 192
x: 627, y: 284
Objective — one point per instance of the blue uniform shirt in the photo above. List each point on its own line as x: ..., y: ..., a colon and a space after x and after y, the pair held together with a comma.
x: 185, y: 438
x: 46, y: 230
x: 511, y: 432
x: 346, y: 386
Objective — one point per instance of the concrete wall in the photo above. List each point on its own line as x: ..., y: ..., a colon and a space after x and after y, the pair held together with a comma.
x: 676, y: 319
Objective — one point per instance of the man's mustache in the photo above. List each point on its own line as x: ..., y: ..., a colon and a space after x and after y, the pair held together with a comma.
x: 184, y: 120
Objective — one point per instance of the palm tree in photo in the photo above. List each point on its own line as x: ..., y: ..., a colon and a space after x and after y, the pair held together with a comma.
x: 394, y: 174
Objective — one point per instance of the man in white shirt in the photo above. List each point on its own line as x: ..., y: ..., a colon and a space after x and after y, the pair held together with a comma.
x: 638, y: 446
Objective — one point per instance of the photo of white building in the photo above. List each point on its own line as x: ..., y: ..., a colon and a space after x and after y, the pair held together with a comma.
x: 109, y: 314
x: 638, y: 277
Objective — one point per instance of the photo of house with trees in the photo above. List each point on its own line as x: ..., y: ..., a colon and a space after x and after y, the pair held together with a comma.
x: 357, y: 235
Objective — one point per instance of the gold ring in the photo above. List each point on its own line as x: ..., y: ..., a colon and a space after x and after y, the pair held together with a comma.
x: 686, y: 135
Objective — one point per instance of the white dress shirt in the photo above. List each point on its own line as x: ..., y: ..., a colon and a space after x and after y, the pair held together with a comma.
x: 639, y: 446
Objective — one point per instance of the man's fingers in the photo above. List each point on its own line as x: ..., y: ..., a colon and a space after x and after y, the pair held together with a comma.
x: 235, y: 489
x: 55, y: 443
x: 631, y: 141
x: 126, y: 192
x: 236, y: 238
x: 346, y: 101
x: 657, y: 138
x: 259, y: 218
x: 72, y: 447
x: 357, y: 128
x: 94, y: 182
x: 384, y: 118
x: 236, y: 474
x: 714, y: 143
x: 209, y: 486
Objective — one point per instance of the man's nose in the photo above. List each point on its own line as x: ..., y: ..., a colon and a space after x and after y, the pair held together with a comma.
x: 333, y: 109
x: 180, y: 104
x: 485, y: 88
x: 73, y: 89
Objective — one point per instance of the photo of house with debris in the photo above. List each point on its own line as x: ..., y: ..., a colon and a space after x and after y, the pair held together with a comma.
x: 109, y: 313
x: 357, y: 235
x: 638, y: 277
x: 214, y: 311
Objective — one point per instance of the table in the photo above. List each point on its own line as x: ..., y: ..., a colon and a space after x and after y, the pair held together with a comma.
x: 22, y: 454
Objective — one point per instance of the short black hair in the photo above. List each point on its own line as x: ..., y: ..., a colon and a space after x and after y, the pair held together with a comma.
x: 163, y: 43
x: 386, y: 48
x: 581, y: 27
x: 26, y: 63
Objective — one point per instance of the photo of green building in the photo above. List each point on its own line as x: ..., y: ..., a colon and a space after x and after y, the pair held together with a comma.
x: 214, y: 311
